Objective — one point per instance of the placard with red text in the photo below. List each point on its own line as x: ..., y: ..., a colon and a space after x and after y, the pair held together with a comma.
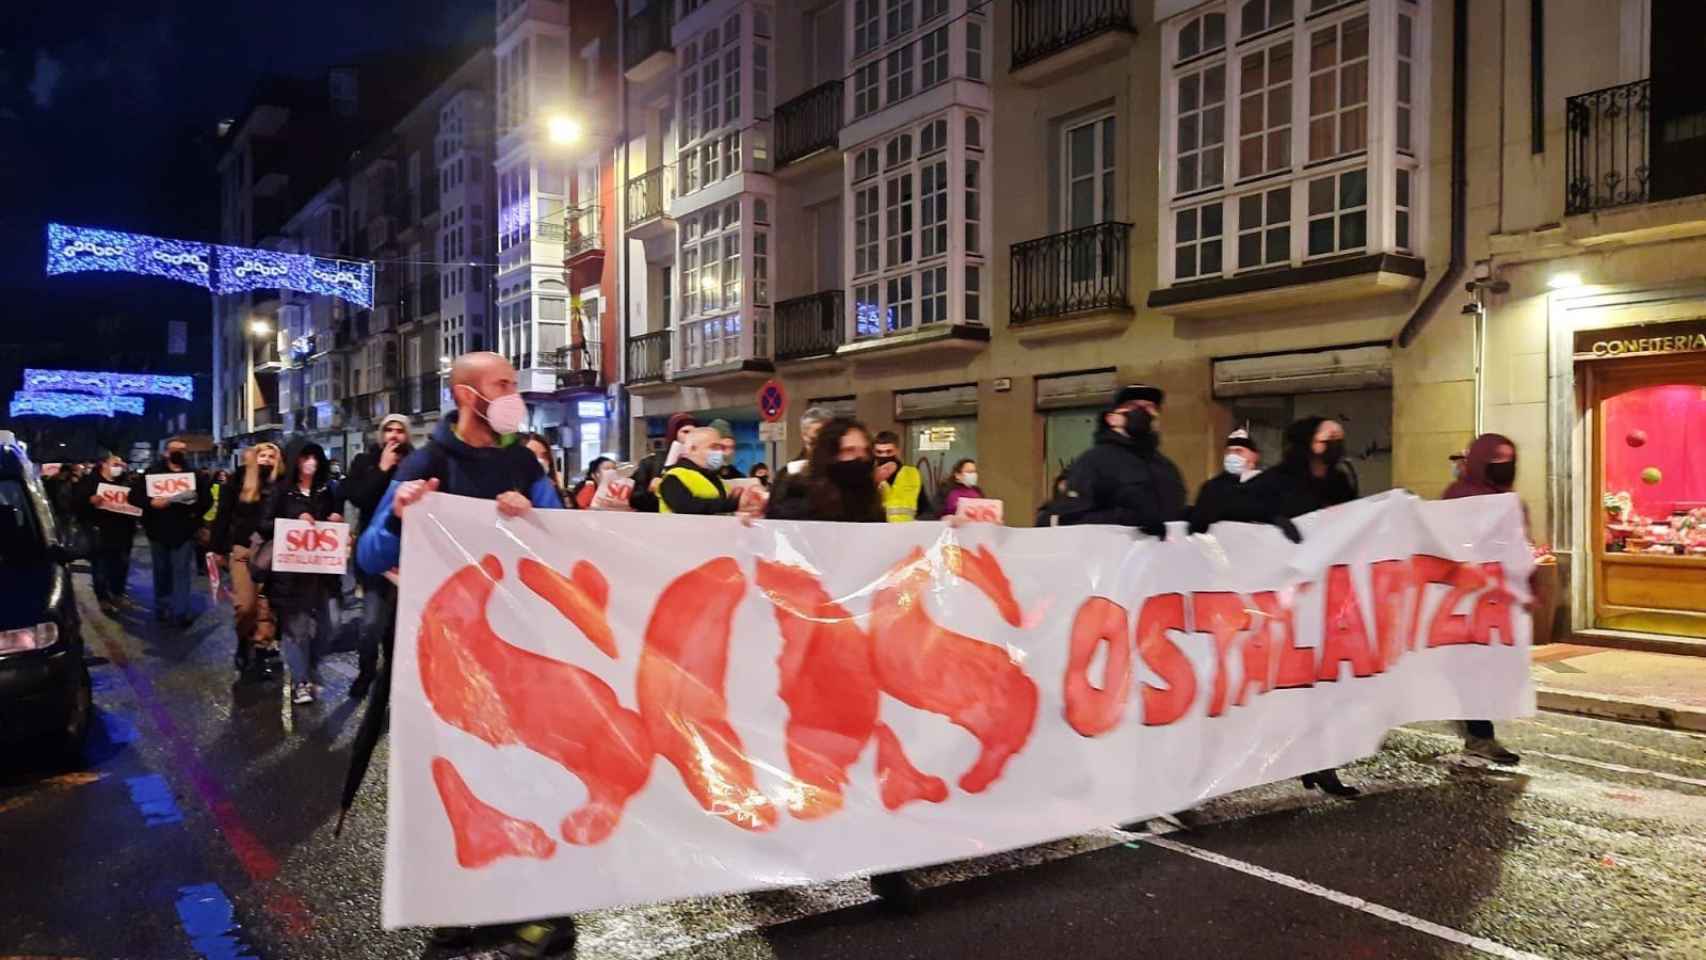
x: 115, y: 499
x: 302, y: 547
x: 595, y: 709
x: 979, y: 510
x: 170, y: 486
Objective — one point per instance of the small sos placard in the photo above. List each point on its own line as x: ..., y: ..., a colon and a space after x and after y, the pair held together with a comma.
x: 302, y: 547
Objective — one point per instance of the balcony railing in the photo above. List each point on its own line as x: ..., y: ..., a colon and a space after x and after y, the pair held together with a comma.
x: 1607, y: 158
x: 648, y: 33
x: 808, y: 123
x: 647, y: 194
x: 548, y: 230
x: 647, y: 355
x: 421, y: 394
x: 577, y: 365
x: 810, y: 326
x: 583, y: 227
x: 1044, y: 27
x: 1072, y: 272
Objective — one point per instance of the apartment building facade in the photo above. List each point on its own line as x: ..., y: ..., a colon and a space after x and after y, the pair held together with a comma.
x: 556, y: 89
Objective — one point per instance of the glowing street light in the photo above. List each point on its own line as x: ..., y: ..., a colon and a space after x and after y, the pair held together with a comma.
x: 260, y: 328
x: 563, y: 129
x: 1564, y: 281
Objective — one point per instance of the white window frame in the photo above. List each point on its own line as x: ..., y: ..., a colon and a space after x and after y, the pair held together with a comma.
x: 1105, y: 172
x: 1381, y: 157
x: 713, y: 99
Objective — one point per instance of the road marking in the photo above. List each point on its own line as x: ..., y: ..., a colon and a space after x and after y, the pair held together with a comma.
x: 64, y: 781
x: 1428, y: 927
x: 1619, y: 768
x: 210, y: 921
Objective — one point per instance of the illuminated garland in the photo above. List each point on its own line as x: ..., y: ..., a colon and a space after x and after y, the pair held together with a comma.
x: 84, y: 381
x: 220, y: 269
x: 39, y: 403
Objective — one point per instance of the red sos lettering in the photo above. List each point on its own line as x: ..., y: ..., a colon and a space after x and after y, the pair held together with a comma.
x: 313, y: 541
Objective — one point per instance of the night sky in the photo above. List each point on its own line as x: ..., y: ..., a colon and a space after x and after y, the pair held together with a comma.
x: 107, y: 112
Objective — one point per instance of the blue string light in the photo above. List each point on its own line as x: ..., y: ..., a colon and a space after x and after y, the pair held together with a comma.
x: 109, y: 384
x: 220, y: 269
x: 39, y: 403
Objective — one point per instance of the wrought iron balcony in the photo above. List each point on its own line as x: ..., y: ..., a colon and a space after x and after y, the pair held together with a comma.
x: 1608, y: 159
x: 1045, y: 27
x: 548, y: 230
x: 808, y: 123
x: 810, y: 326
x: 648, y: 353
x: 583, y: 231
x: 648, y: 33
x: 1073, y: 272
x: 577, y: 365
x: 647, y: 194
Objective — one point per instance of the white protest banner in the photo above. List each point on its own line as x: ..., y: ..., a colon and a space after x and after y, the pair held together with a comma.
x: 115, y: 499
x: 979, y: 510
x: 596, y: 709
x: 170, y: 486
x: 302, y: 547
x: 213, y: 578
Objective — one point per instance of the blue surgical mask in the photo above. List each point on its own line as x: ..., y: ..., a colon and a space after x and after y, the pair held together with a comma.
x: 714, y: 459
x: 1234, y: 463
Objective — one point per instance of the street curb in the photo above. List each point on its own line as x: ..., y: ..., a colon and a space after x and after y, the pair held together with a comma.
x: 1655, y: 713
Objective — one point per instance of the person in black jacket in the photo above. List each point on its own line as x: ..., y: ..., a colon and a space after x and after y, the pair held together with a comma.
x: 838, y: 482
x: 649, y: 475
x: 1125, y: 479
x: 1310, y: 476
x: 303, y: 601
x: 237, y: 533
x: 369, y: 477
x: 171, y: 525
x: 109, y: 564
x: 1238, y: 468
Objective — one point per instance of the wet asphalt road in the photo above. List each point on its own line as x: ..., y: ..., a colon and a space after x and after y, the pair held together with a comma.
x: 200, y: 826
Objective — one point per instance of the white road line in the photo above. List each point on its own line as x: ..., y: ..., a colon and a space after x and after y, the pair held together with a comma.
x: 1346, y: 900
x: 1618, y: 768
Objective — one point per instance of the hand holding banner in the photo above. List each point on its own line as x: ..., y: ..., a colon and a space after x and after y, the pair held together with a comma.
x: 302, y: 547
x: 115, y: 499
x: 170, y: 486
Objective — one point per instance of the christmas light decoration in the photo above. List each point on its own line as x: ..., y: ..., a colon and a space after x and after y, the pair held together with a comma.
x: 84, y: 381
x: 220, y: 269
x: 123, y: 404
x: 50, y: 404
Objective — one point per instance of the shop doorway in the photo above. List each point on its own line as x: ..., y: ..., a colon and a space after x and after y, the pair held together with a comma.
x: 1647, y: 486
x: 934, y: 446
x: 1066, y: 435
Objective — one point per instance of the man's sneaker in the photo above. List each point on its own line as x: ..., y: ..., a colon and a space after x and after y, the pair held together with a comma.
x: 540, y: 939
x: 1489, y: 748
x: 304, y: 693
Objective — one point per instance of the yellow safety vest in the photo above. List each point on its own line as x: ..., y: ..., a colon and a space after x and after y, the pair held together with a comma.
x: 697, y: 484
x: 213, y: 509
x: 900, y: 495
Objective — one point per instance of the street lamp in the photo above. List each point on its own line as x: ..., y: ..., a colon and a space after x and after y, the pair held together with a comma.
x: 260, y: 328
x: 563, y: 129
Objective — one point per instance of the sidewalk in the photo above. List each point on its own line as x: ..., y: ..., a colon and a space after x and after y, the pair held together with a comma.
x: 1660, y: 689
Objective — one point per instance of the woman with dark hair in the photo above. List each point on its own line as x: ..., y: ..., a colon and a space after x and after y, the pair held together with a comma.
x: 962, y: 483
x: 1311, y: 476
x: 304, y: 600
x: 838, y: 483
x: 541, y: 449
x: 587, y: 488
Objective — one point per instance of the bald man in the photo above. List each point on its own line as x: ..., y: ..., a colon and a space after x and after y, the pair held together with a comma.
x: 476, y: 454
x: 693, y: 484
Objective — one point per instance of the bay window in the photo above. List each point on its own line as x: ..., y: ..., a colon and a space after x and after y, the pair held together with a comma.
x: 1317, y: 110
x: 717, y: 297
x: 712, y: 105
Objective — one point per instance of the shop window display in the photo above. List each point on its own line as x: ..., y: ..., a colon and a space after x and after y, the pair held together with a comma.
x: 1654, y: 471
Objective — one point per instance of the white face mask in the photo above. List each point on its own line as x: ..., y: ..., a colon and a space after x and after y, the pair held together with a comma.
x: 969, y: 478
x: 505, y: 414
x: 1235, y: 463
x: 114, y: 472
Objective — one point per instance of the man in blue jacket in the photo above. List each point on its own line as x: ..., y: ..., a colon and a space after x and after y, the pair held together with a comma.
x: 478, y: 453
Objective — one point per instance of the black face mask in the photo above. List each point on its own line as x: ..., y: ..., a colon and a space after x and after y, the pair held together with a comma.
x: 175, y: 458
x: 883, y: 461
x: 1501, y: 474
x: 1334, y: 452
x: 851, y: 474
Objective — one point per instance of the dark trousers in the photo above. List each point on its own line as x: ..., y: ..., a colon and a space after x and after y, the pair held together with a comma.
x: 378, y: 620
x: 109, y: 568
x: 174, y: 574
x: 1479, y: 728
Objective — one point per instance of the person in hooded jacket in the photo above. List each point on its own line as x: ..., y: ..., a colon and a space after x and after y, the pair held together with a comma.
x: 304, y: 601
x: 109, y: 564
x: 1124, y: 478
x: 1489, y: 467
x: 1238, y: 468
x: 242, y: 518
x: 171, y: 524
x: 369, y: 476
x: 1310, y: 476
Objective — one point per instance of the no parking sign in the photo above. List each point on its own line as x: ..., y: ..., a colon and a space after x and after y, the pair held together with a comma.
x: 772, y: 400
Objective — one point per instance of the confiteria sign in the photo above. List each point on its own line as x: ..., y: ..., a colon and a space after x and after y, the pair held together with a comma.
x: 1648, y: 339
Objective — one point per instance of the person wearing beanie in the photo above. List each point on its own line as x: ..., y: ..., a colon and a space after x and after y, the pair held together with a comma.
x: 1238, y: 466
x: 727, y: 469
x: 649, y: 475
x: 1124, y: 479
x: 370, y: 475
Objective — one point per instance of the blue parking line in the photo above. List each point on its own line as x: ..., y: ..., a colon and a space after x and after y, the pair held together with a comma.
x: 154, y: 799
x: 207, y: 916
